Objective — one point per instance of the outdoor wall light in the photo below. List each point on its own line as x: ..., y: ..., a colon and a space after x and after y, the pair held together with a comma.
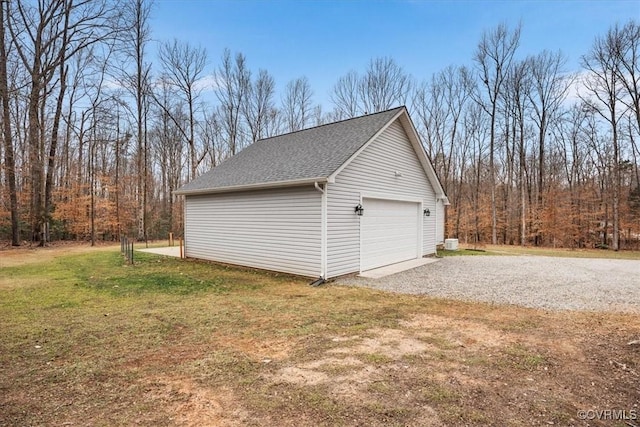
x: 359, y: 210
x: 426, y: 212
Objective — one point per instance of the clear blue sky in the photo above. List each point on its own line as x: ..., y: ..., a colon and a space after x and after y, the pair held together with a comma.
x: 323, y: 40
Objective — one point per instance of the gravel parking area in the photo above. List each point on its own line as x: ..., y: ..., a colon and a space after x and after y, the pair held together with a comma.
x: 530, y: 281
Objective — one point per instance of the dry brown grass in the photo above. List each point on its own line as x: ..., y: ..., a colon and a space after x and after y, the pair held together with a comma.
x: 89, y: 341
x: 23, y: 255
x: 555, y: 252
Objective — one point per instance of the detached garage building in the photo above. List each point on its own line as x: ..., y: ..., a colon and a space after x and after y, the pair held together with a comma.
x: 339, y: 198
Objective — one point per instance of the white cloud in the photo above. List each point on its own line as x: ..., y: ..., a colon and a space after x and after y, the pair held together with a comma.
x: 208, y: 83
x: 577, y: 89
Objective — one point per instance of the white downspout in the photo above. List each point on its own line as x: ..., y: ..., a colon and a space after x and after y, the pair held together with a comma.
x: 323, y: 230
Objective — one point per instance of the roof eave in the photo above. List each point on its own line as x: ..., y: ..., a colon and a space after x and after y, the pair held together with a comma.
x: 248, y: 187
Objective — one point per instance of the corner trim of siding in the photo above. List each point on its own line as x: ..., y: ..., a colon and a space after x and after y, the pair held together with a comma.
x: 323, y: 232
x: 184, y: 228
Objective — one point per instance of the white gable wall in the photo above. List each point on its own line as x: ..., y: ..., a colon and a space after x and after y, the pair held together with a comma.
x: 276, y: 229
x: 372, y: 173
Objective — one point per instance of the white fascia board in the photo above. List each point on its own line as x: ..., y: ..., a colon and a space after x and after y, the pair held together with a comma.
x: 258, y: 186
x: 422, y: 156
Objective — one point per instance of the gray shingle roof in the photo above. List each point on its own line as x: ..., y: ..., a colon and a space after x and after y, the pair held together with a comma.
x: 304, y: 155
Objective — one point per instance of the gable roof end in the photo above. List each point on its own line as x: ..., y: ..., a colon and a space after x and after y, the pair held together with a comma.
x: 414, y: 139
x: 309, y: 155
x: 312, y: 155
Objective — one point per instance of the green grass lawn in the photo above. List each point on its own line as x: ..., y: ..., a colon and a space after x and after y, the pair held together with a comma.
x: 89, y: 340
x: 466, y: 252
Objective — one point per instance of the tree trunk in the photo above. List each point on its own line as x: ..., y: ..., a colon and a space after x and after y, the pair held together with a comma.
x: 35, y: 161
x: 492, y: 178
x: 117, y: 175
x: 616, y: 183
x: 9, y: 158
x: 523, y: 190
x: 48, y: 187
x: 541, y: 172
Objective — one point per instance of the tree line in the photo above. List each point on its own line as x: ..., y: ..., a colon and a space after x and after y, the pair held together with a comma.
x: 97, y: 133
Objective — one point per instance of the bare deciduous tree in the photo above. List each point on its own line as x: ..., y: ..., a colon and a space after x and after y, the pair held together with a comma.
x: 168, y: 147
x: 137, y: 82
x: 548, y: 90
x: 183, y: 65
x: 384, y: 85
x: 76, y: 123
x: 234, y: 80
x: 627, y: 49
x: 517, y: 87
x: 44, y: 36
x: 604, y: 88
x: 296, y: 104
x: 626, y: 45
x: 493, y: 58
x: 259, y: 104
x: 346, y: 96
x: 7, y: 133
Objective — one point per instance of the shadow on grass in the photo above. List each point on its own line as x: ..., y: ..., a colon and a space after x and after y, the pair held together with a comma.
x: 153, y: 273
x: 460, y: 252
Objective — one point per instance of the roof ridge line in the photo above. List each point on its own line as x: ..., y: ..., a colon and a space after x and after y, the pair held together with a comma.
x: 332, y: 123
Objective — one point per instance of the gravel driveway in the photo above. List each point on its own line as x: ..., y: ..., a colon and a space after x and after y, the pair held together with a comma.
x: 531, y: 281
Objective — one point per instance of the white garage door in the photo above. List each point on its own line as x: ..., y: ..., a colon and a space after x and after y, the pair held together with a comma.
x: 390, y: 232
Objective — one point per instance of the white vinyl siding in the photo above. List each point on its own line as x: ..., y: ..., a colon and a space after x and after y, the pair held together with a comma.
x: 276, y: 230
x: 373, y: 172
x: 388, y: 232
x: 440, y: 212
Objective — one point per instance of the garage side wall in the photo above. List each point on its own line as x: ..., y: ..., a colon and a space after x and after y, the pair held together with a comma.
x: 276, y: 230
x: 440, y: 222
x: 373, y: 172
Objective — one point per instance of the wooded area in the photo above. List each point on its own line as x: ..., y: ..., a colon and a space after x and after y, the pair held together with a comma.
x: 97, y: 134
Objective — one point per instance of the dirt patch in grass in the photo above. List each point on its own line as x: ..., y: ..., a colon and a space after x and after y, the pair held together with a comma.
x: 459, y: 372
x: 189, y: 343
x: 193, y: 405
